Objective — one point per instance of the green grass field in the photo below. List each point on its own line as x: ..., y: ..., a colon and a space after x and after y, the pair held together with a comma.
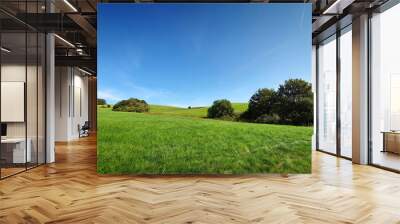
x: 194, y: 112
x: 171, y: 140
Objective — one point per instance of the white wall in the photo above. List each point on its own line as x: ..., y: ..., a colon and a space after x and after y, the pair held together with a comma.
x: 14, y: 72
x: 71, y: 102
x: 80, y: 110
x: 62, y: 82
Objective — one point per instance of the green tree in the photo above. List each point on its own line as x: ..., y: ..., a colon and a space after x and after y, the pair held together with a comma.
x: 295, y: 104
x: 101, y: 101
x: 262, y: 102
x: 220, y: 109
x: 131, y: 105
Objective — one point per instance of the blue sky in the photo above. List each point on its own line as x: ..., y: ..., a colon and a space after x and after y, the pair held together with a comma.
x: 192, y: 54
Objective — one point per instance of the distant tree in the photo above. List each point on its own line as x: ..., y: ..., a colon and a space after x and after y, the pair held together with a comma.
x: 262, y: 102
x: 101, y: 101
x: 189, y: 107
x: 131, y: 105
x: 291, y: 104
x: 295, y: 104
x: 220, y: 109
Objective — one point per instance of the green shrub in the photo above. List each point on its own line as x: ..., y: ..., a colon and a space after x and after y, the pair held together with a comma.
x: 268, y: 119
x: 220, y: 109
x: 101, y: 101
x: 105, y: 106
x: 131, y: 105
x: 233, y: 117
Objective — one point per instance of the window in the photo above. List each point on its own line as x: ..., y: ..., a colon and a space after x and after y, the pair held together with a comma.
x: 385, y: 89
x: 346, y: 92
x: 327, y: 95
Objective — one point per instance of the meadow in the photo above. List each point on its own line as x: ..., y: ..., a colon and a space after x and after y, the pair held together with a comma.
x: 173, y: 140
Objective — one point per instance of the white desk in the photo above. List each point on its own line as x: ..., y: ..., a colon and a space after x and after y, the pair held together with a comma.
x: 19, y: 155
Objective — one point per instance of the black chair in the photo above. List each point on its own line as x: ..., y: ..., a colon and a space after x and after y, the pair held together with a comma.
x: 84, y: 130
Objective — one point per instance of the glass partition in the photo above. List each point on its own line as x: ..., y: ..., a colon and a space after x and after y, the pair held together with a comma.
x: 22, y: 101
x: 14, y: 153
x: 31, y: 99
x: 327, y: 95
x: 385, y: 89
x: 41, y: 97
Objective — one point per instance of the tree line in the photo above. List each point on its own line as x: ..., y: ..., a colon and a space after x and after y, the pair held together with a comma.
x: 291, y: 103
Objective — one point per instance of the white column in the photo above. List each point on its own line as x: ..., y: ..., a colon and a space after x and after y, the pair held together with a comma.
x: 50, y: 100
x: 360, y: 90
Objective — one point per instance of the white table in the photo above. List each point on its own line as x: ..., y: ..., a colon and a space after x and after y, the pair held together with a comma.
x: 19, y: 153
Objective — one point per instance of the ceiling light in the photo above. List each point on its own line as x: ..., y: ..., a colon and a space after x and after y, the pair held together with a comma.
x: 79, y: 51
x: 70, y: 5
x: 5, y: 50
x: 84, y: 71
x: 65, y: 41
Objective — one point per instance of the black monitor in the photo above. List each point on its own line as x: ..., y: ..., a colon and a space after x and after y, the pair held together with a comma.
x: 3, y: 129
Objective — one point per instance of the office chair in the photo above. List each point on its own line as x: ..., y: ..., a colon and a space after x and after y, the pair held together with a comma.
x: 84, y: 130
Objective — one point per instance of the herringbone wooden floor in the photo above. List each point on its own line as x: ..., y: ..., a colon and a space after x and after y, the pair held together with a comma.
x: 70, y: 191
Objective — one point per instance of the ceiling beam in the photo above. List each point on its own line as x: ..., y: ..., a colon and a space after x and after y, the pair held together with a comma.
x: 78, y: 61
x: 86, y: 26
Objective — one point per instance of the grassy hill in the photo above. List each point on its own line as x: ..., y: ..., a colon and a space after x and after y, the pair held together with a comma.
x: 193, y: 112
x: 171, y: 140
